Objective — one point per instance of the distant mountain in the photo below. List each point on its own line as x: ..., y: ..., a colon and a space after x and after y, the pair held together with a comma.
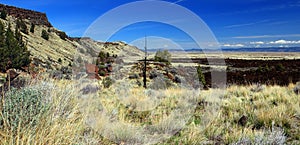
x: 262, y: 49
x: 265, y: 49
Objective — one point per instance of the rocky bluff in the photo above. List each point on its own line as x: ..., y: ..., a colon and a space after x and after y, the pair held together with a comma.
x: 34, y: 17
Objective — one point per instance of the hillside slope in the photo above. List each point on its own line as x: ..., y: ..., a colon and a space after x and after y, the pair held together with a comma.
x: 59, y: 50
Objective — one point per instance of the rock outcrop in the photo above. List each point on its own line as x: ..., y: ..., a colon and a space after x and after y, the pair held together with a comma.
x: 34, y: 17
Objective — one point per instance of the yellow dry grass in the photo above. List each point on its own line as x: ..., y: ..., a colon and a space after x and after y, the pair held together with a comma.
x: 273, y: 116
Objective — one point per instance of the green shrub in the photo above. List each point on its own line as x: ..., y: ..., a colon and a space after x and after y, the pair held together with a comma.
x: 163, y: 56
x: 102, y: 55
x: 45, y: 35
x: 107, y: 82
x: 23, y: 108
x: 101, y: 72
x: 201, y: 75
x: 79, y: 59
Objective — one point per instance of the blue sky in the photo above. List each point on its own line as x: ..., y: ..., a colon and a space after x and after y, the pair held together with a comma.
x: 251, y: 23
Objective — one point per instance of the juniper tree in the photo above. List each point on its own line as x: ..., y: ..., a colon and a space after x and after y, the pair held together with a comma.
x: 45, y: 35
x: 2, y: 46
x: 32, y: 28
x: 3, y: 14
x: 14, y: 53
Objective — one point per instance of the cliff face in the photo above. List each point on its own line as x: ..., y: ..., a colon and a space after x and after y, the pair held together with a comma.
x: 34, y: 17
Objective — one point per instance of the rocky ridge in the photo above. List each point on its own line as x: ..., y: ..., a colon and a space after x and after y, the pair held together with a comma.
x: 34, y: 17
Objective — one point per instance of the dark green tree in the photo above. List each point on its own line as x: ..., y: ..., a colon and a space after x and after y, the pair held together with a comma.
x: 45, y: 35
x: 32, y: 28
x: 2, y: 46
x: 3, y: 15
x: 59, y: 60
x: 14, y: 53
x: 2, y: 37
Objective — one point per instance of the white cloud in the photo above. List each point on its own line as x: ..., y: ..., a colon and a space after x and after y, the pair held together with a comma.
x: 266, y: 36
x: 285, y: 42
x: 233, y: 45
x: 258, y: 43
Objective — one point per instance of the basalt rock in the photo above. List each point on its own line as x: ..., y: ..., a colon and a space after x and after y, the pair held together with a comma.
x: 34, y: 17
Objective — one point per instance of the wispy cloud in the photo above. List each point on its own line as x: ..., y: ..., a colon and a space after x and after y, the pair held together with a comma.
x: 266, y: 9
x: 278, y: 23
x: 178, y: 1
x: 233, y: 45
x: 257, y: 43
x: 266, y: 36
x: 247, y: 24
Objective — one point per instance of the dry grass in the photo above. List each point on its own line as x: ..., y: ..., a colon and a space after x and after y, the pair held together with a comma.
x: 125, y: 114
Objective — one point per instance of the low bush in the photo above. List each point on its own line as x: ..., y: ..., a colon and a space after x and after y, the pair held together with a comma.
x: 23, y: 108
x: 107, y: 82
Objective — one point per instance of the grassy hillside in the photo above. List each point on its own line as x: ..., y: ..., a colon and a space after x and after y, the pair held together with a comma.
x: 70, y: 113
x: 59, y: 50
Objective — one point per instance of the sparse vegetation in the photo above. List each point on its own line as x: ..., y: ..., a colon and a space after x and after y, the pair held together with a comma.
x: 272, y: 115
x: 22, y: 26
x: 62, y: 35
x: 280, y: 67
